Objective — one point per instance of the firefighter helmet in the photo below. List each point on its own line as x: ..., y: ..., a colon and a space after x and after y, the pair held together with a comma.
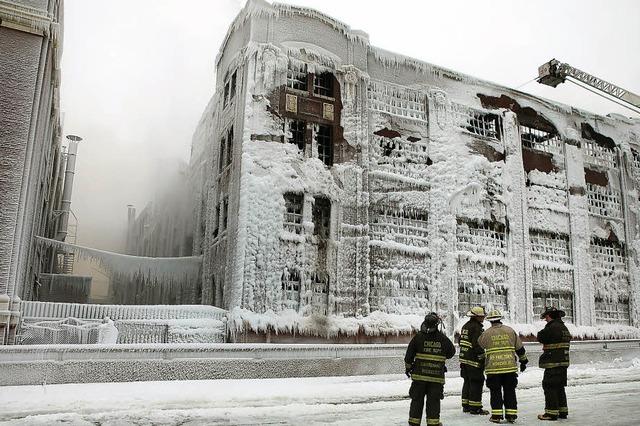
x: 494, y: 315
x: 553, y: 312
x: 477, y: 311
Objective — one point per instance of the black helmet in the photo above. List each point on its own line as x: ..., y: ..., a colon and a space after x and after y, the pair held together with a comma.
x: 431, y: 321
x: 553, y: 312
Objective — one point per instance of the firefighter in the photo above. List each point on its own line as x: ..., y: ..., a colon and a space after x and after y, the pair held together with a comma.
x: 501, y: 345
x: 555, y: 338
x: 472, y: 362
x: 424, y: 363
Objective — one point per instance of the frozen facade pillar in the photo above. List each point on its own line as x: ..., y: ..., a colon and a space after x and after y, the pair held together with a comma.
x: 5, y: 315
x: 14, y: 321
x: 584, y: 304
x: 442, y: 221
x: 520, y: 296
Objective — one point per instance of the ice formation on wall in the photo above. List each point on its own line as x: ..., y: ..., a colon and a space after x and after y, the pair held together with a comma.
x: 443, y: 192
x: 152, y: 271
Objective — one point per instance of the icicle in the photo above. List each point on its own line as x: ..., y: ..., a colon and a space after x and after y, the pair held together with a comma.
x: 153, y: 269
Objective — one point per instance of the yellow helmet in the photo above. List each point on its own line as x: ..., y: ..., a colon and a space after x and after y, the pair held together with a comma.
x: 494, y: 315
x: 477, y: 311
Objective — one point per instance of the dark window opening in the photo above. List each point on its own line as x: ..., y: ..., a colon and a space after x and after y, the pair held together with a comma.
x: 297, y: 129
x: 225, y: 211
x: 297, y: 76
x: 229, y: 145
x: 232, y: 88
x: 325, y: 145
x: 293, y: 213
x: 323, y: 84
x: 217, y: 219
x: 322, y: 217
x: 226, y: 95
x: 223, y: 144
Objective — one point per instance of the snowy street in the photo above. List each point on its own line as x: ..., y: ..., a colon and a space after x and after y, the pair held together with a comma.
x: 599, y: 393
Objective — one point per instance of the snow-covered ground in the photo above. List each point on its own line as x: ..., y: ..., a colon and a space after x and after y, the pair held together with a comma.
x: 599, y: 393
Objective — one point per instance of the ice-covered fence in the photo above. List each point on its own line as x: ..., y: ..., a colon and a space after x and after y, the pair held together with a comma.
x: 136, y: 323
x: 120, y: 312
x: 397, y: 100
x: 67, y: 331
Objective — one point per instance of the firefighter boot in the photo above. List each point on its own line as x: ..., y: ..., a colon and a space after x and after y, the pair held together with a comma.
x: 547, y: 416
x: 495, y: 419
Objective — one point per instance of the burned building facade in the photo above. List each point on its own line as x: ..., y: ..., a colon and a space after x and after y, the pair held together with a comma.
x: 338, y: 178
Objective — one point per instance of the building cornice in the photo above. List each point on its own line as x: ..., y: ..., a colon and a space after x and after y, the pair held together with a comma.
x: 27, y: 19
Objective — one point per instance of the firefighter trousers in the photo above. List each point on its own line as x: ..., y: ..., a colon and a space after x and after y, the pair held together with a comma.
x: 555, y: 397
x: 503, y: 394
x: 472, y: 387
x: 417, y: 392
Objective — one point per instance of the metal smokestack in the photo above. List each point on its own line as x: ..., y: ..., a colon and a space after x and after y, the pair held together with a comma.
x: 70, y: 171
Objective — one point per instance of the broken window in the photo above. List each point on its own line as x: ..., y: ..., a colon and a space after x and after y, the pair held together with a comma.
x: 597, y: 154
x: 323, y: 84
x: 319, y: 293
x: 293, y: 212
x: 321, y: 217
x: 297, y: 75
x: 404, y: 225
x: 221, y: 150
x: 610, y: 281
x: 229, y: 145
x: 325, y: 145
x: 291, y: 289
x: 562, y: 301
x: 397, y: 100
x: 541, y: 140
x: 635, y: 160
x: 478, y: 122
x: 297, y: 128
x: 550, y: 247
x: 604, y: 201
x: 396, y: 290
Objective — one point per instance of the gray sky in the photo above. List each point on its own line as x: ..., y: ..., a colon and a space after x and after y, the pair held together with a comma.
x: 136, y: 75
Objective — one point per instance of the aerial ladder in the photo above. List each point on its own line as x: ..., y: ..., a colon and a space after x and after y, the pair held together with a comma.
x: 555, y: 72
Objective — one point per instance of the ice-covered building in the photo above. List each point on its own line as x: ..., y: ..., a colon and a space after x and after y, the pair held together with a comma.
x: 339, y: 178
x: 31, y: 161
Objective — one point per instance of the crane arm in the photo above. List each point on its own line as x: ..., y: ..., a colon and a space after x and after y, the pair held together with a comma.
x: 555, y: 72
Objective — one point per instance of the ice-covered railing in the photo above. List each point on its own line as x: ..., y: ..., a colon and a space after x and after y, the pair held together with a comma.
x: 598, y: 155
x: 68, y: 331
x: 477, y: 122
x: 604, y: 201
x: 31, y: 309
x: 541, y: 140
x: 397, y: 100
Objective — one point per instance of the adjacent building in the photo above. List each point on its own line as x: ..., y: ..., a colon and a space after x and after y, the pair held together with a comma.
x: 31, y: 161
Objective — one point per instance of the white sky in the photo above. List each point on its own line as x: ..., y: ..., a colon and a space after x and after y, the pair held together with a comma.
x: 136, y: 75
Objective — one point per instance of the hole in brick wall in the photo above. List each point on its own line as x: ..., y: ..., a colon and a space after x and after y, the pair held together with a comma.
x: 526, y: 116
x: 489, y: 152
x: 387, y: 133
x: 596, y: 178
x: 536, y: 160
x: 588, y: 132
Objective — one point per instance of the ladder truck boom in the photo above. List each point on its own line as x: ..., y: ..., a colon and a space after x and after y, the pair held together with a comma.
x: 555, y: 72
